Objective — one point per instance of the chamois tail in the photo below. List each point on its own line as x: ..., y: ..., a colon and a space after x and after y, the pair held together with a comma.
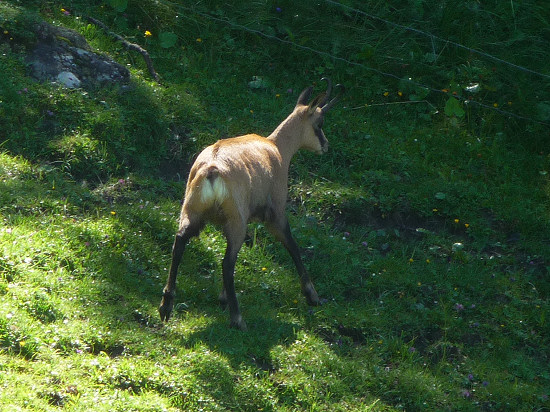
x: 213, y: 187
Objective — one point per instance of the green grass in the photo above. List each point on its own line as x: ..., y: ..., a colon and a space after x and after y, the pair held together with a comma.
x: 426, y: 232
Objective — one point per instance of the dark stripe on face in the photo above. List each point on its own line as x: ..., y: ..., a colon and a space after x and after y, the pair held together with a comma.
x: 321, y: 136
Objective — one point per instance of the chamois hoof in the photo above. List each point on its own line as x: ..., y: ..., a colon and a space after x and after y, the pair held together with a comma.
x: 239, y: 324
x: 166, y: 306
x: 312, y: 298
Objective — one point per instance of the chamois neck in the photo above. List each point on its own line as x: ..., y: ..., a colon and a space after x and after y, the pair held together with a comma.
x: 286, y: 136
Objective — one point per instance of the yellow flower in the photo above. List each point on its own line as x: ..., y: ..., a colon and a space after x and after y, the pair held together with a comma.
x: 199, y: 40
x: 113, y: 212
x: 456, y: 220
x: 22, y: 343
x: 6, y: 32
x: 148, y: 33
x: 495, y: 105
x: 264, y: 269
x: 435, y: 210
x: 411, y: 260
x: 277, y: 95
x: 428, y: 261
x: 386, y: 94
x: 466, y: 225
x: 400, y: 93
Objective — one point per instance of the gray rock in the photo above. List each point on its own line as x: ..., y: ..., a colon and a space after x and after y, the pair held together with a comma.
x: 62, y: 55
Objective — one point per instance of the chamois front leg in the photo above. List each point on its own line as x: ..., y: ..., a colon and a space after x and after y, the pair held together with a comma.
x: 281, y: 230
x: 186, y: 232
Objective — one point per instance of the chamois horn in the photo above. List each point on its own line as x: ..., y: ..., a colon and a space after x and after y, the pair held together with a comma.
x: 328, y: 92
x: 326, y: 106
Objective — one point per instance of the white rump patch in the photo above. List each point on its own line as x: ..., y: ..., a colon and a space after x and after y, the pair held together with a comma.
x: 213, y: 192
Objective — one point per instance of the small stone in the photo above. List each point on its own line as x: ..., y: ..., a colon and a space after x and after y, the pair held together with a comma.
x: 68, y: 79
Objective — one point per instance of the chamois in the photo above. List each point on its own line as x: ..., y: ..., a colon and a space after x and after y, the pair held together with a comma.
x: 239, y: 179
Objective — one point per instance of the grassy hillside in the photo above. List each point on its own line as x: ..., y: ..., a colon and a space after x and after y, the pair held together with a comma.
x: 425, y: 228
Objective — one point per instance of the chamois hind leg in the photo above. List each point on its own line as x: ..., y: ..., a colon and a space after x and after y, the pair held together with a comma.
x: 281, y: 230
x: 186, y: 231
x: 235, y: 234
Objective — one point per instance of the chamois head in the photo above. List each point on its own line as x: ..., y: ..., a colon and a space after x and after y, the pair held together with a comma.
x: 313, y: 115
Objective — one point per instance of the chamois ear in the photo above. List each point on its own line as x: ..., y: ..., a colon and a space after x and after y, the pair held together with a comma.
x: 304, y: 96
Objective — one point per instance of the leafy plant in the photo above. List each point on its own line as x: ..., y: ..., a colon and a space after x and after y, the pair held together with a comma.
x: 119, y: 5
x: 454, y: 108
x: 168, y: 39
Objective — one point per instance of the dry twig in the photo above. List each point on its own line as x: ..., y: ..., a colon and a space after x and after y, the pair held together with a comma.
x: 129, y: 46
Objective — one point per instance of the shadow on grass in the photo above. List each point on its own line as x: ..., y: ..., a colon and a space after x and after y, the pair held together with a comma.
x: 253, y: 347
